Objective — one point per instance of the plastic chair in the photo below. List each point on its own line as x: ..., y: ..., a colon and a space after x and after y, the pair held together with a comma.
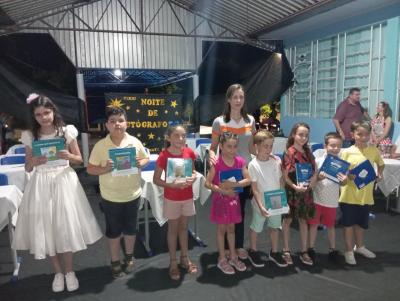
x: 3, y: 179
x: 316, y: 146
x: 8, y: 160
x: 203, y: 141
x: 20, y: 150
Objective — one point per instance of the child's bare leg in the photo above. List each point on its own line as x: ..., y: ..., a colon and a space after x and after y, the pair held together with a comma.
x: 183, y: 235
x: 253, y: 240
x: 313, y: 235
x: 331, y: 237
x: 231, y: 240
x: 172, y: 239
x: 359, y: 236
x: 303, y: 234
x: 68, y: 262
x: 348, y: 238
x: 286, y: 233
x: 56, y: 264
x: 129, y: 241
x: 274, y: 236
x: 114, y: 246
x: 221, y: 230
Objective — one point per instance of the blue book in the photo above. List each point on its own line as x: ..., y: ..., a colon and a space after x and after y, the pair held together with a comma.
x: 49, y: 148
x: 178, y: 169
x: 124, y: 161
x: 364, y: 174
x: 332, y: 166
x: 304, y: 172
x: 233, y: 175
x: 276, y: 202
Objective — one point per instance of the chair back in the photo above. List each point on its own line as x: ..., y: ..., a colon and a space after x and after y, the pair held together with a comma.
x: 20, y: 150
x: 150, y: 166
x: 316, y: 146
x: 8, y: 160
x: 202, y: 141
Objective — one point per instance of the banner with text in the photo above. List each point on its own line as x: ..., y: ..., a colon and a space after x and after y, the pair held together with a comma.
x: 148, y: 116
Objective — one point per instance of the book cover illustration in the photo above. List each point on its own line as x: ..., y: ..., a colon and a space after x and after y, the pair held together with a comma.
x: 178, y: 169
x: 49, y: 148
x: 364, y: 174
x: 333, y: 165
x: 233, y: 175
x: 304, y: 172
x: 124, y: 161
x: 275, y: 202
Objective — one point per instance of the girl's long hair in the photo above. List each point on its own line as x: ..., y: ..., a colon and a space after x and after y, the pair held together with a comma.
x: 44, y: 101
x: 387, y: 112
x: 290, y: 140
x: 168, y: 133
x: 227, y: 110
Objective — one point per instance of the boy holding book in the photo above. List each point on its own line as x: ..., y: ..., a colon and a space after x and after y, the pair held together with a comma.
x: 266, y: 175
x: 120, y: 194
x: 355, y: 203
x: 326, y: 198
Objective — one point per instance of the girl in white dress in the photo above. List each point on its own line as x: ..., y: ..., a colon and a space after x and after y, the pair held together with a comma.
x: 55, y: 216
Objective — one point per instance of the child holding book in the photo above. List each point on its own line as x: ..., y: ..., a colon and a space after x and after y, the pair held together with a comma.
x: 299, y: 195
x: 225, y: 207
x: 355, y: 203
x: 120, y: 194
x: 178, y: 195
x: 55, y: 218
x: 326, y: 198
x: 266, y: 175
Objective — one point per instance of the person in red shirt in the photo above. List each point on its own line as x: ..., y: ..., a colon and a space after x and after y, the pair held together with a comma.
x: 178, y: 195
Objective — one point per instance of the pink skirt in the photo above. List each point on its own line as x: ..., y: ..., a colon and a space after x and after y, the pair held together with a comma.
x: 225, y: 210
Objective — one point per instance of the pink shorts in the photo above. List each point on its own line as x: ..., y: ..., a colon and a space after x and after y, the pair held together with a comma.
x: 323, y: 215
x: 175, y: 209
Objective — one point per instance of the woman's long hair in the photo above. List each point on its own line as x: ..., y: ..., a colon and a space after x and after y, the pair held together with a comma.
x: 290, y: 140
x: 387, y: 111
x: 44, y: 101
x: 227, y: 110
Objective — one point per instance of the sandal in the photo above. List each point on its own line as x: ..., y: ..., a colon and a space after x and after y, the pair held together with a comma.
x: 174, y: 273
x: 287, y: 256
x: 187, y: 265
x: 305, y: 258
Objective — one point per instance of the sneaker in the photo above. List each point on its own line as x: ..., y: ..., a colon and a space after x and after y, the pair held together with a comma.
x: 237, y: 264
x: 334, y: 256
x: 349, y: 258
x: 278, y: 259
x: 255, y: 259
x: 312, y: 254
x: 287, y: 256
x: 71, y: 281
x: 242, y: 253
x: 225, y: 267
x: 116, y: 271
x: 128, y: 266
x: 58, y: 283
x: 305, y: 259
x: 364, y: 252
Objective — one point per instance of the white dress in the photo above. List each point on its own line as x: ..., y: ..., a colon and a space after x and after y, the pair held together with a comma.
x: 55, y: 215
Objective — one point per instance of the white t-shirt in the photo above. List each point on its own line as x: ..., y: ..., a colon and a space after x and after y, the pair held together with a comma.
x: 326, y: 192
x: 267, y: 174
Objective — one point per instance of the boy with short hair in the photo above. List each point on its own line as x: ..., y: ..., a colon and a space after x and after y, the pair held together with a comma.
x: 121, y: 194
x: 265, y: 173
x: 326, y: 199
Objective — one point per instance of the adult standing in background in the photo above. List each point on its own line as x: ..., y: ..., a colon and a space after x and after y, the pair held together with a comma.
x: 348, y: 111
x: 381, y: 125
x: 235, y: 120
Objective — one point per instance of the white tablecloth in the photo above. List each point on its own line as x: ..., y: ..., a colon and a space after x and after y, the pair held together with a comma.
x: 15, y: 173
x: 154, y: 194
x: 10, y: 199
x: 391, y: 176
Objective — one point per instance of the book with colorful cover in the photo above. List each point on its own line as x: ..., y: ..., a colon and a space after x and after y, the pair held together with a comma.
x: 178, y: 169
x: 364, y: 174
x: 304, y: 172
x: 124, y: 161
x: 333, y: 165
x: 276, y: 202
x: 49, y: 148
x: 232, y: 175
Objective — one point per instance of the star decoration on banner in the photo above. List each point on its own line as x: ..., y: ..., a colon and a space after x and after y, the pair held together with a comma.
x: 151, y: 136
x: 139, y: 135
x: 166, y: 111
x: 127, y: 108
x: 176, y: 113
x: 158, y: 138
x: 137, y: 110
x: 173, y: 103
x: 115, y: 103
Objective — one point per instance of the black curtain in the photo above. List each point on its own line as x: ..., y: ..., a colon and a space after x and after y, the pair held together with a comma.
x: 265, y: 76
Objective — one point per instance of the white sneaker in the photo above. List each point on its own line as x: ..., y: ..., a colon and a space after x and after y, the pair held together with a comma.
x: 364, y: 252
x: 58, y: 283
x: 349, y: 258
x: 72, y: 281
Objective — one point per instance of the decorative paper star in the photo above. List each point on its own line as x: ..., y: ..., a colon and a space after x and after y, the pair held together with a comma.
x: 166, y: 111
x: 151, y: 136
x: 139, y: 135
x: 127, y: 108
x: 173, y: 103
x: 116, y: 103
x: 137, y: 110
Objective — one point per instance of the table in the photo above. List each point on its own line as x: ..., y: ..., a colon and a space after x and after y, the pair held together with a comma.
x: 155, y: 196
x: 391, y: 179
x: 10, y: 199
x: 15, y: 174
